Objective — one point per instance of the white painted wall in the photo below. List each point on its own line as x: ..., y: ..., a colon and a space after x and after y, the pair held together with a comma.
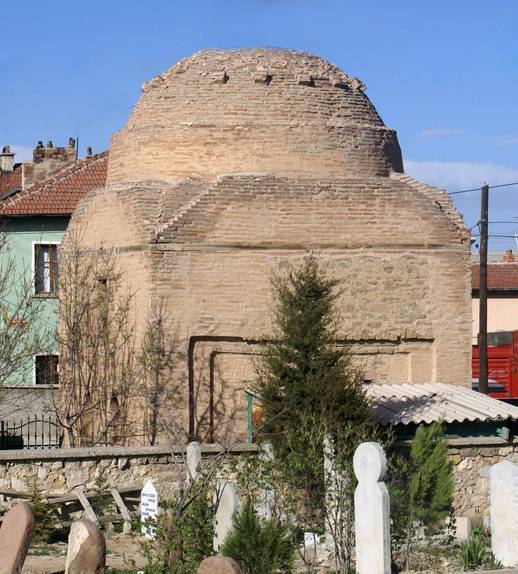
x: 502, y: 315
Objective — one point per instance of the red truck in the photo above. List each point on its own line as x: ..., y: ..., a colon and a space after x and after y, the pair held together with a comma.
x: 502, y: 356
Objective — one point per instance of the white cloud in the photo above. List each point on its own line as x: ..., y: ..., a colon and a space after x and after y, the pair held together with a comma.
x: 454, y: 176
x: 440, y: 132
x: 23, y: 153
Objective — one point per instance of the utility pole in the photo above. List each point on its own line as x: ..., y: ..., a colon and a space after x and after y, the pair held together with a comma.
x: 482, y: 329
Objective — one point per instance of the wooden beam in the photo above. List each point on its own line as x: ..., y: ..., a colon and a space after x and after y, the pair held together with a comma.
x: 87, y: 506
x: 123, y: 510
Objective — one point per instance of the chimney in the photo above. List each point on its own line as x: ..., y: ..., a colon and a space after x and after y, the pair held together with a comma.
x: 48, y: 160
x: 6, y: 159
x: 509, y: 256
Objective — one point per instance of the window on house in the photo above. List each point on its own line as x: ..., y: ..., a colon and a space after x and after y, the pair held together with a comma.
x: 45, y: 268
x: 47, y: 370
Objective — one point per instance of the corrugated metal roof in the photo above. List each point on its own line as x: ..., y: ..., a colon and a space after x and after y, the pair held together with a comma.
x: 407, y: 404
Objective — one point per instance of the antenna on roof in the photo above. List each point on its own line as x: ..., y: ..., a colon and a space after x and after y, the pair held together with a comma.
x: 77, y: 148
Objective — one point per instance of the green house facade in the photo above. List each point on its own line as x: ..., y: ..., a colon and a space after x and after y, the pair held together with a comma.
x: 35, y: 215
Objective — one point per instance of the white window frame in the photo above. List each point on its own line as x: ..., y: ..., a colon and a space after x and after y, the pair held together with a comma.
x: 33, y: 266
x: 34, y: 383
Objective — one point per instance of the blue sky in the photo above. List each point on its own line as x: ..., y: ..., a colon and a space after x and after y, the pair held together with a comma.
x: 443, y: 73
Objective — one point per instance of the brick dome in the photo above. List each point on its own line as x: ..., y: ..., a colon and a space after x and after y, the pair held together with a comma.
x: 265, y: 111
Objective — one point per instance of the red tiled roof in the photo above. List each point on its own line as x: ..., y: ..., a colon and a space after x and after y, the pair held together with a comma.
x: 499, y: 276
x: 59, y: 194
x: 11, y: 179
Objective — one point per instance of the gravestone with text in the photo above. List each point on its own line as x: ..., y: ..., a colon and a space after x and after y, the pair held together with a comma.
x: 371, y: 510
x: 148, y: 508
x: 503, y: 478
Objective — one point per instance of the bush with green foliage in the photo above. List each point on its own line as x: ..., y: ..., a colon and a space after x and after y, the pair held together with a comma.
x: 102, y: 501
x: 421, y: 491
x: 305, y: 378
x: 472, y: 552
x: 475, y: 552
x: 431, y: 483
x: 184, y: 534
x: 258, y: 545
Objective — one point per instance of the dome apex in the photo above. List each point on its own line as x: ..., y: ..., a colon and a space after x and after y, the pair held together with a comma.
x: 264, y: 110
x: 257, y: 60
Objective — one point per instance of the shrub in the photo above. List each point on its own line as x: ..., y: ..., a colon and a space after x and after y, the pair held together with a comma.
x: 101, y: 503
x: 184, y: 534
x: 475, y: 552
x: 258, y: 545
x: 46, y: 517
x: 421, y: 489
x: 313, y: 399
x: 431, y: 483
x: 472, y: 552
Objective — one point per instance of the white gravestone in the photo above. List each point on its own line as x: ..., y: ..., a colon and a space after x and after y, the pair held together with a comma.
x: 148, y: 508
x: 228, y: 504
x: 193, y: 456
x: 193, y: 460
x: 462, y: 528
x: 266, y: 503
x: 371, y: 510
x: 503, y: 478
x: 310, y: 547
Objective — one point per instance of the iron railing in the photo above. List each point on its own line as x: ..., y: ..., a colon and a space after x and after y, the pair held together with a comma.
x: 30, y: 432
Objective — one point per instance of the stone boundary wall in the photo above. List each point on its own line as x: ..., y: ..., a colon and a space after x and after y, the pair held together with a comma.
x: 472, y: 459
x: 59, y: 471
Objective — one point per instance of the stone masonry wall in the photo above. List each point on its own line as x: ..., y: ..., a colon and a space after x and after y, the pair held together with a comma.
x: 472, y: 460
x: 59, y: 471
x: 405, y: 269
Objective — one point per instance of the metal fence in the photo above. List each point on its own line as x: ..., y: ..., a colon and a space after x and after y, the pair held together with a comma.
x: 30, y: 432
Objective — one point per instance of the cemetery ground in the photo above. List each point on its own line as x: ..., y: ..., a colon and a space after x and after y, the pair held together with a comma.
x: 124, y: 551
x: 124, y: 557
x: 208, y: 526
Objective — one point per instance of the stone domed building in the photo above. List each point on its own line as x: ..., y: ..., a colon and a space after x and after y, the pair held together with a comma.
x: 232, y: 162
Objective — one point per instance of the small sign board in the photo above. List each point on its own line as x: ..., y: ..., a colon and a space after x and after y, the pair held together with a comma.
x: 310, y: 540
x: 148, y: 508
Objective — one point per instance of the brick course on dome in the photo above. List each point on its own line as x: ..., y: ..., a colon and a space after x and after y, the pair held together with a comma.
x: 266, y: 111
x: 234, y: 162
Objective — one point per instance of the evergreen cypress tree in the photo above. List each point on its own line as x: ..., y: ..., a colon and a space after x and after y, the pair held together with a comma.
x: 45, y: 515
x: 303, y: 375
x: 431, y: 485
x: 258, y: 545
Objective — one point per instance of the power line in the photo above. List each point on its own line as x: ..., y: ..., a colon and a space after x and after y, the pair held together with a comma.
x: 495, y: 235
x: 478, y: 188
